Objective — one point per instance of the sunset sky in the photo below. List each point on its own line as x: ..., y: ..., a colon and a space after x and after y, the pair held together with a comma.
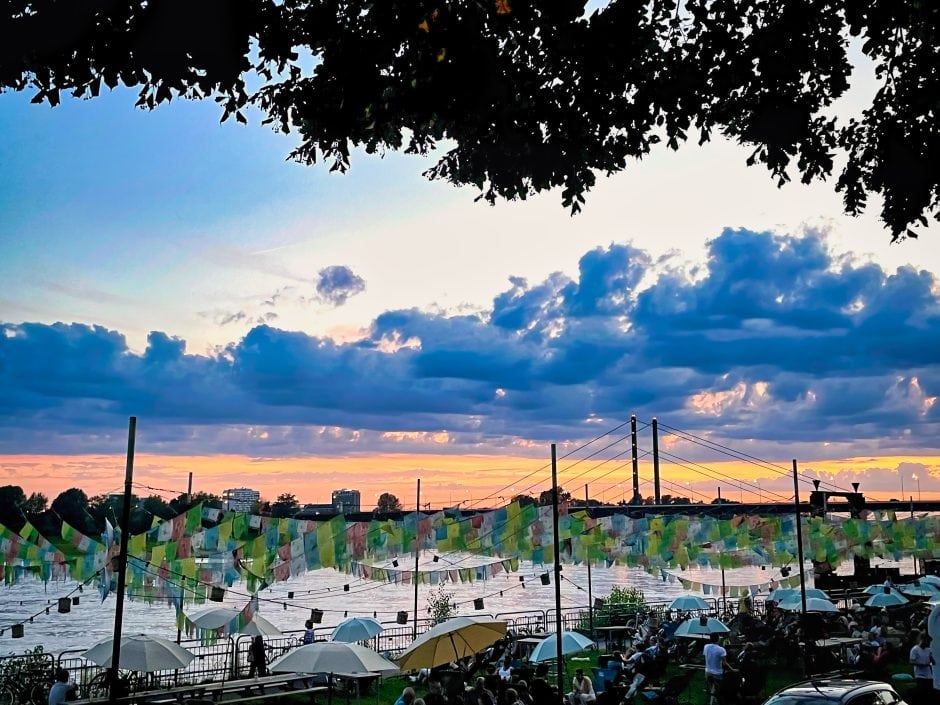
x: 283, y: 328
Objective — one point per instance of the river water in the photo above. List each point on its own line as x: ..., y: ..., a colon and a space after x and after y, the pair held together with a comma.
x: 92, y: 620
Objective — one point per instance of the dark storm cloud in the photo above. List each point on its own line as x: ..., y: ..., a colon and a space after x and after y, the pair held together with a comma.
x: 773, y: 339
x: 336, y: 284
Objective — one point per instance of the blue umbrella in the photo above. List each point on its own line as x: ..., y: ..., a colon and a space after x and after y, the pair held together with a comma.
x: 813, y: 604
x: 782, y: 594
x: 356, y: 629
x: 879, y: 590
x: 815, y: 592
x: 886, y: 599
x: 697, y: 628
x: 921, y: 590
x: 689, y: 602
x: 571, y: 643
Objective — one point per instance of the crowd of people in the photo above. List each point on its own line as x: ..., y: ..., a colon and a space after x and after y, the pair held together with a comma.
x: 735, y: 664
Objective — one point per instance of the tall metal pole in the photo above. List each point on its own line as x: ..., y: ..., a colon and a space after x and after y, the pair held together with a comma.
x: 189, y: 489
x: 414, y: 630
x: 558, y: 653
x: 636, y: 462
x: 590, y: 592
x: 799, y: 557
x: 656, y: 493
x: 724, y: 589
x: 122, y: 562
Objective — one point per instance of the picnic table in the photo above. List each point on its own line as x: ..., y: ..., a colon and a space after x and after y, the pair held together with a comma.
x: 238, y: 690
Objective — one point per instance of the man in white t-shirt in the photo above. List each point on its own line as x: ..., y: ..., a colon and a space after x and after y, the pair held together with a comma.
x: 716, y: 661
x: 923, y: 663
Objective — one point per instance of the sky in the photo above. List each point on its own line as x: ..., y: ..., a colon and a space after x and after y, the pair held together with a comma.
x: 281, y: 327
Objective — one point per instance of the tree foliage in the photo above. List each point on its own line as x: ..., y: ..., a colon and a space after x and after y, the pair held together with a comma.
x: 286, y: 505
x: 388, y: 502
x: 72, y: 506
x: 546, y: 498
x: 441, y: 605
x: 529, y: 95
x: 12, y: 507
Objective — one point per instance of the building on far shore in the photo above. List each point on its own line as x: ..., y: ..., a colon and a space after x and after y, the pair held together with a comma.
x: 346, y: 501
x: 240, y: 499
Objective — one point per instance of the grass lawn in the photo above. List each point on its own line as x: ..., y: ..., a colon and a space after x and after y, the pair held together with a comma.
x: 777, y: 677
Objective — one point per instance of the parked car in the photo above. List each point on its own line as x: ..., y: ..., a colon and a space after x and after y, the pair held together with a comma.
x: 837, y: 691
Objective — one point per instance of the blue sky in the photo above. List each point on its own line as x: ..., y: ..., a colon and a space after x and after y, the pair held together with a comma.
x: 166, y: 265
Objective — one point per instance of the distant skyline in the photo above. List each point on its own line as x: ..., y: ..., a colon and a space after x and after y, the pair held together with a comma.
x: 275, y: 322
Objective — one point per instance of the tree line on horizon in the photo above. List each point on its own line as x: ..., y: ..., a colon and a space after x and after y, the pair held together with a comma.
x: 88, y: 514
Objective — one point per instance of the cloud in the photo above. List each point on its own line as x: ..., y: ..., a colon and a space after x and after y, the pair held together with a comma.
x: 774, y: 339
x: 337, y: 284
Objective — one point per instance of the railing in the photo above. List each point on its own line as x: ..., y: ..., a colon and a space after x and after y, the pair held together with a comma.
x: 227, y: 659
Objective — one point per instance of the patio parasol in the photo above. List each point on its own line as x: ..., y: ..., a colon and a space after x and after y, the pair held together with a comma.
x: 332, y: 657
x: 571, y: 643
x: 698, y: 628
x: 451, y: 641
x: 218, y: 617
x: 356, y: 629
x: 689, y: 602
x: 886, y: 599
x: 813, y: 604
x: 140, y: 652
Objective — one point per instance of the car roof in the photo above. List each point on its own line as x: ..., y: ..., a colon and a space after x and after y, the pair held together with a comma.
x: 831, y: 688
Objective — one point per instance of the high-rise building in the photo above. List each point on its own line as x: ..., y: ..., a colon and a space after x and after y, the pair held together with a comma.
x: 240, y: 499
x: 346, y: 501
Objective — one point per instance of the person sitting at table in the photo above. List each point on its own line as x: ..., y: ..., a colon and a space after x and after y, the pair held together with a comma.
x: 582, y: 690
x: 435, y: 694
x: 504, y: 671
x: 62, y: 690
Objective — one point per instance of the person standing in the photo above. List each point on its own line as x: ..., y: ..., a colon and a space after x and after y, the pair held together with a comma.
x: 716, y: 661
x: 923, y: 663
x: 258, y: 658
x: 308, y: 632
x: 62, y: 690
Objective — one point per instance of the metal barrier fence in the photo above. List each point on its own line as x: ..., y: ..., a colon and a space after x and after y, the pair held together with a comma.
x: 227, y: 658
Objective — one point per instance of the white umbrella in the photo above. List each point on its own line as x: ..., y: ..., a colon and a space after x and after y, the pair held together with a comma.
x: 697, y: 627
x: 571, y: 643
x: 218, y: 617
x: 452, y: 640
x: 886, y: 599
x: 140, y: 652
x: 813, y: 604
x: 332, y: 657
x: 689, y: 602
x: 356, y: 629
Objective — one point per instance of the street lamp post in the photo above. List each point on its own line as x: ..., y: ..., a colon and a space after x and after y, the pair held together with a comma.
x: 916, y: 477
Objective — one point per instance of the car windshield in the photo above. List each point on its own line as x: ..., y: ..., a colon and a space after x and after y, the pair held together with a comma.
x: 794, y: 700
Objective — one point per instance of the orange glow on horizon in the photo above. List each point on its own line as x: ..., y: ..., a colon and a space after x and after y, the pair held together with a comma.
x: 446, y: 480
